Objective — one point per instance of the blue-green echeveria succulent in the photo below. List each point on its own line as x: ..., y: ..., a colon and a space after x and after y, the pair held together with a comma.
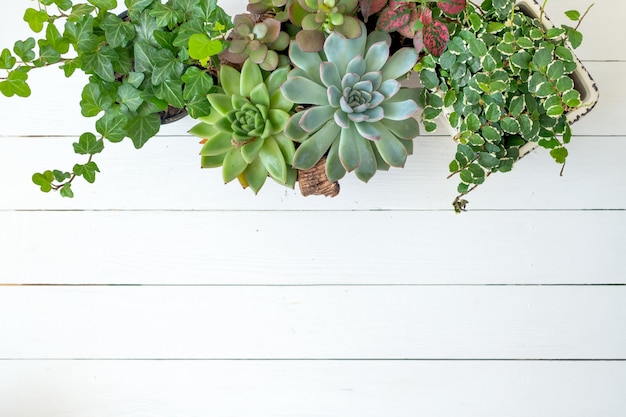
x: 244, y: 132
x: 358, y: 115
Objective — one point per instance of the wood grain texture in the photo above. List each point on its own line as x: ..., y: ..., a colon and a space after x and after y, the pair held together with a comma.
x: 174, y: 265
x: 311, y: 389
x: 313, y: 323
x: 166, y: 176
x: 310, y: 247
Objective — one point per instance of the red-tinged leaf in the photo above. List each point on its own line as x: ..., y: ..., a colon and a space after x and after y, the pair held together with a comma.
x: 392, y: 19
x: 436, y: 37
x: 451, y: 6
x: 408, y: 30
x: 425, y: 15
x: 370, y: 7
x: 398, y: 4
x: 418, y: 41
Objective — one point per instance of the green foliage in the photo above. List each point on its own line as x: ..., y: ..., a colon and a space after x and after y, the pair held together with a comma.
x: 505, y: 82
x: 139, y: 63
x: 359, y: 115
x: 245, y: 132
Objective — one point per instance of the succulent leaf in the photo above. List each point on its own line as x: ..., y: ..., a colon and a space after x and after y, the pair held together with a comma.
x: 250, y: 144
x: 355, y: 100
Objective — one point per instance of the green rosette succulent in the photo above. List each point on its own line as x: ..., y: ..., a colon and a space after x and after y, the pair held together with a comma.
x: 320, y: 17
x: 359, y: 115
x: 244, y: 132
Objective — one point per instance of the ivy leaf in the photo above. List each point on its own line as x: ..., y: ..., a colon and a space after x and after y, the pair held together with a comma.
x: 81, y: 34
x: 24, y: 49
x: 7, y: 60
x: 142, y: 128
x: 78, y: 11
x: 145, y: 25
x: 47, y: 54
x: 100, y: 63
x: 66, y: 191
x: 172, y: 92
x: 88, y: 144
x: 15, y: 84
x: 112, y: 126
x: 136, y: 78
x: 54, y: 38
x: 87, y: 171
x: 198, y: 106
x: 35, y: 19
x: 44, y: 180
x: 197, y: 82
x: 130, y: 97
x: 143, y: 56
x: 104, y: 4
x: 70, y: 66
x: 63, y: 4
x: 166, y: 67
x: 61, y: 176
x: 117, y: 32
x: 202, y: 48
x: 166, y: 15
x: 93, y: 100
x: 137, y: 6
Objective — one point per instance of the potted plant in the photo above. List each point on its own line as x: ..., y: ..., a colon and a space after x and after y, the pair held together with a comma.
x: 309, y: 90
x: 343, y: 107
x: 147, y: 66
x: 507, y: 83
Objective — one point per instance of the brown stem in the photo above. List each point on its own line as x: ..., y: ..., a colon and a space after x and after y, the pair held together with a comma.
x: 583, y: 16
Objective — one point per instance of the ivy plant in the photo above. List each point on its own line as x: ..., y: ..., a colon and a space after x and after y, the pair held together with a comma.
x: 503, y: 81
x: 155, y: 59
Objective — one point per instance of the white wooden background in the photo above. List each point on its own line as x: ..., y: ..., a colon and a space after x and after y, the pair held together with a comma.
x: 158, y: 291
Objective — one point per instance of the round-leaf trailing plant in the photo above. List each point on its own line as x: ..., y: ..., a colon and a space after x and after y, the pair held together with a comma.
x: 155, y: 59
x: 244, y: 132
x: 331, y: 102
x: 504, y: 81
x: 357, y: 113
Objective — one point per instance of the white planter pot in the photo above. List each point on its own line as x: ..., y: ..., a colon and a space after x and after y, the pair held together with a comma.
x: 583, y: 82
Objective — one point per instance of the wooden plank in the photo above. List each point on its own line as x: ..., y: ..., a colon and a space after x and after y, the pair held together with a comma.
x: 166, y: 175
x: 381, y: 322
x: 295, y: 247
x: 303, y: 389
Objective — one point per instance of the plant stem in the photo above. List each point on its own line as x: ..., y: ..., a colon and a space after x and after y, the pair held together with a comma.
x: 583, y: 16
